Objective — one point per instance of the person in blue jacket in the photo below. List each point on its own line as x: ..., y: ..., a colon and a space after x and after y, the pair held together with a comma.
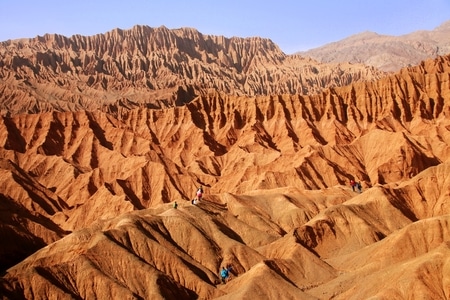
x: 225, y: 274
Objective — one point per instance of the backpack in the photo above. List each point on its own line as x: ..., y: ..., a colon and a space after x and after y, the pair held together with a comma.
x: 224, y: 273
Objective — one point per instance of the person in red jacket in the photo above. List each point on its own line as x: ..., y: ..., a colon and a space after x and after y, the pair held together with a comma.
x: 353, y: 184
x: 199, y: 193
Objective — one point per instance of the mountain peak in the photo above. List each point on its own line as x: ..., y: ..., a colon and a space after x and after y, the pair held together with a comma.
x: 444, y: 26
x: 387, y: 53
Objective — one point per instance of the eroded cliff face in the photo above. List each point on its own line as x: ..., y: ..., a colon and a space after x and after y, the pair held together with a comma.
x: 153, y: 67
x: 93, y: 189
x: 280, y: 243
x: 63, y: 171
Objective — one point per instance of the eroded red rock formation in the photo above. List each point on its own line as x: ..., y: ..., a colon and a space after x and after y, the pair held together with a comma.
x: 93, y: 190
x: 153, y: 67
x: 281, y: 243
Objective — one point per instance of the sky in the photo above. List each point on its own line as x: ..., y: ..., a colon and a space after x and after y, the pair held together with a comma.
x: 294, y: 25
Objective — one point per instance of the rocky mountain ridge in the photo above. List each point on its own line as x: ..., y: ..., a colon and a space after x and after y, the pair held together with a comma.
x: 387, y: 53
x: 153, y: 67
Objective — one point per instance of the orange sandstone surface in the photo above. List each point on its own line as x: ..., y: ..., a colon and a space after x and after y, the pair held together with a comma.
x: 87, y: 196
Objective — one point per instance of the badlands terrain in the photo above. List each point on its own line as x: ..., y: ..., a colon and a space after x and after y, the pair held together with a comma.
x: 154, y: 68
x: 101, y: 135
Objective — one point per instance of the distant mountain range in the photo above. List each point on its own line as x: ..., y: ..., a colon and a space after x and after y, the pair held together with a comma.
x: 387, y: 53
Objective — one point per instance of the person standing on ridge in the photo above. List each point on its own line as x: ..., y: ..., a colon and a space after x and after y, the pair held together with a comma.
x: 175, y: 205
x: 353, y: 184
x: 199, y: 193
x: 225, y: 274
x: 359, y: 186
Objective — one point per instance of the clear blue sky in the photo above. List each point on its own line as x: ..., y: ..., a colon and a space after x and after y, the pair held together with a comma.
x: 294, y: 25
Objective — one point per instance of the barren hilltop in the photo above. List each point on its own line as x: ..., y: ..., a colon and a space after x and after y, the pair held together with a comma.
x: 88, y: 187
x: 384, y: 52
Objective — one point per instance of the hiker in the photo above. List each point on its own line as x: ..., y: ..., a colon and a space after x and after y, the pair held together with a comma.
x: 199, y: 193
x: 353, y: 184
x: 225, y: 274
x: 175, y: 205
x: 359, y: 186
